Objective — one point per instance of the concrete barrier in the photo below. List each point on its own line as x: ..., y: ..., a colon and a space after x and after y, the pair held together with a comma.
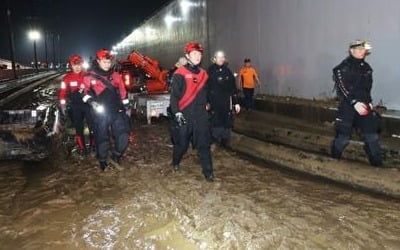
x: 358, y: 175
x: 318, y: 111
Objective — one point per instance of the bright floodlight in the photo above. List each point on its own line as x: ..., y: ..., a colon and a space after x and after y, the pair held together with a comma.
x: 85, y: 65
x: 169, y: 20
x: 185, y: 6
x: 34, y: 35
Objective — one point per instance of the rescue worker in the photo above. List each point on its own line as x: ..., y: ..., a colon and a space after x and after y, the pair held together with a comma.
x: 223, y: 98
x: 248, y: 82
x: 70, y: 97
x: 353, y: 78
x: 189, y: 108
x: 106, y: 93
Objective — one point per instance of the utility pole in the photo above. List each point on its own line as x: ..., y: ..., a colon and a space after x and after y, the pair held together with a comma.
x: 45, y: 50
x: 59, y: 50
x: 11, y: 40
x: 35, y: 56
x: 54, y: 49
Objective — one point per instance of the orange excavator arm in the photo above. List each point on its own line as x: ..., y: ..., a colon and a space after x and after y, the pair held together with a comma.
x: 158, y: 78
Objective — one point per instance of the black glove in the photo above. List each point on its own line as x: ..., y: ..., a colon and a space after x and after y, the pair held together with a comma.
x: 180, y: 119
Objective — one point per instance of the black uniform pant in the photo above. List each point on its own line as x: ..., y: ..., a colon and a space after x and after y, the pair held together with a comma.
x: 79, y: 113
x: 199, y: 134
x: 248, y: 98
x: 346, y: 119
x: 115, y: 125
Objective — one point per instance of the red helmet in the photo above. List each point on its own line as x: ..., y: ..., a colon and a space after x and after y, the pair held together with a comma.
x: 104, y: 54
x: 193, y: 46
x: 75, y: 59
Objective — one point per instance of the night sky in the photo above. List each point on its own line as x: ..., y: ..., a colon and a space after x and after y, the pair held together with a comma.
x: 83, y: 26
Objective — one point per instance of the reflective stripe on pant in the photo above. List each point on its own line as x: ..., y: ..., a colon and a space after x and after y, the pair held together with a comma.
x: 118, y: 125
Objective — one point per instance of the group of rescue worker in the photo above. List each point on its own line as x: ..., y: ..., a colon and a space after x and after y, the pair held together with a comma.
x: 99, y: 97
x: 203, y: 104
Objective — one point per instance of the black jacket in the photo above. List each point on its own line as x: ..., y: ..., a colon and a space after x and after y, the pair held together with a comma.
x: 222, y: 94
x: 197, y: 109
x: 353, y: 78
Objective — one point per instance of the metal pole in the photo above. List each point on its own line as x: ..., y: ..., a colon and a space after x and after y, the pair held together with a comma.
x: 45, y: 50
x: 34, y: 51
x: 59, y: 50
x: 54, y: 50
x: 11, y: 40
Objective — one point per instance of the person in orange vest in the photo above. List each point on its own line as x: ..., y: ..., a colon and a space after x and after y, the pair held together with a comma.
x: 189, y: 96
x: 70, y: 98
x: 105, y: 92
x: 248, y: 82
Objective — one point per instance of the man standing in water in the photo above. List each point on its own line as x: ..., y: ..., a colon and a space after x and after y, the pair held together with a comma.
x: 105, y: 92
x: 353, y: 79
x: 222, y: 97
x: 70, y: 98
x: 189, y: 110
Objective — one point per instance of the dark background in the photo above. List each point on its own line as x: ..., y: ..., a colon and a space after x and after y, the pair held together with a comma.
x: 83, y: 26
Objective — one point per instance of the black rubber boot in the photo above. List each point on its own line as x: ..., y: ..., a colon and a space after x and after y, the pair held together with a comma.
x: 177, y: 168
x: 103, y: 165
x: 116, y: 161
x: 209, y: 177
x: 336, y: 154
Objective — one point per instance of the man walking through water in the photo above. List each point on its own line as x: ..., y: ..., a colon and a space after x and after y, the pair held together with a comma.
x: 189, y: 110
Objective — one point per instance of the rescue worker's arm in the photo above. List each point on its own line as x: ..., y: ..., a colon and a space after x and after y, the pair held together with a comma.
x: 87, y: 81
x: 177, y: 91
x: 88, y: 98
x: 240, y: 80
x: 209, y: 88
x: 234, y: 91
x: 344, y: 85
x: 346, y: 89
x: 256, y: 78
x: 62, y: 96
x: 122, y: 90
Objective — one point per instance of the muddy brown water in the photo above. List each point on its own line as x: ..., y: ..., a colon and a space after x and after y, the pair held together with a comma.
x: 67, y: 203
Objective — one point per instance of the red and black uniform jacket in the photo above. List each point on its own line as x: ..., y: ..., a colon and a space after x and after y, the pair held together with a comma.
x: 71, y: 87
x: 189, y: 93
x: 95, y: 89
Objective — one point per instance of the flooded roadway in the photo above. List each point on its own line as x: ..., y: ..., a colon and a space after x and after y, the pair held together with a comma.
x: 67, y: 203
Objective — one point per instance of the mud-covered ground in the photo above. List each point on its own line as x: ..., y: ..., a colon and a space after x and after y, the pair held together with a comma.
x: 68, y: 203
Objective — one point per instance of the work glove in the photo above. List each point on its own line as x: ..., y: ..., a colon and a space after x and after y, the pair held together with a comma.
x: 361, y: 108
x: 237, y: 108
x: 180, y: 119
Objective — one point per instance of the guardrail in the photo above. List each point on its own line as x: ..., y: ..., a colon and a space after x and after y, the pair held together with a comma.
x: 8, y: 74
x: 12, y: 84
